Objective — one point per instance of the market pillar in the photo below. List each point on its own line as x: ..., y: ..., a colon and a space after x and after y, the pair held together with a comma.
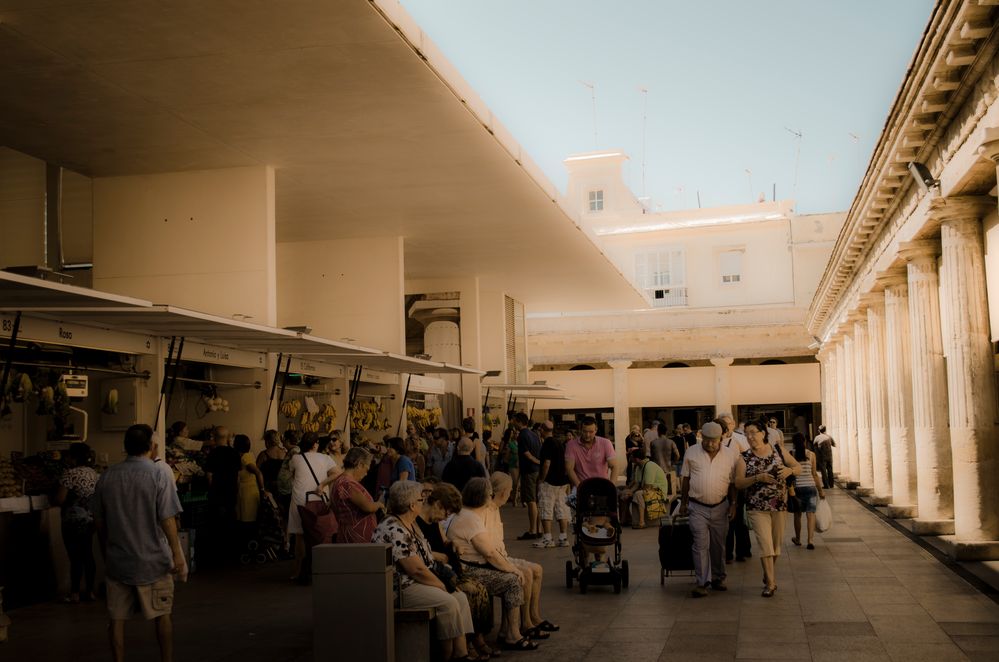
x: 863, y: 404
x: 621, y: 415
x: 898, y: 388
x: 970, y: 364
x: 934, y: 470
x: 723, y: 385
x: 841, y: 454
x: 849, y: 396
x: 880, y: 448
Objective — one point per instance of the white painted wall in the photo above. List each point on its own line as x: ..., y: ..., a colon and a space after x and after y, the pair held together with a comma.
x: 22, y: 209
x: 202, y: 240
x: 348, y: 288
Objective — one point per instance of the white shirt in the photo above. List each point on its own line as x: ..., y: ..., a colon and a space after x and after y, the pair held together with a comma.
x: 303, y: 481
x: 650, y: 436
x: 709, y: 478
x: 737, y: 442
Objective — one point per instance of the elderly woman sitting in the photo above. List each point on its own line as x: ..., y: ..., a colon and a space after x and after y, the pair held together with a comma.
x: 532, y: 624
x: 482, y: 561
x: 418, y: 585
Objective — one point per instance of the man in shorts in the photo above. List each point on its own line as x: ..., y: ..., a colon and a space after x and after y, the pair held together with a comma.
x: 529, y: 452
x: 135, y: 506
x: 553, y: 489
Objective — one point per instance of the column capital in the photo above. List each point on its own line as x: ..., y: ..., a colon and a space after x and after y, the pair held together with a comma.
x: 893, y: 278
x: 960, y: 208
x: 919, y: 251
x: 989, y: 148
x: 619, y: 364
x: 874, y: 300
x: 722, y: 362
x: 858, y: 314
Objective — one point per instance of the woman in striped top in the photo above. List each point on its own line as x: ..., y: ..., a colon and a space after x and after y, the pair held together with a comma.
x: 808, y: 489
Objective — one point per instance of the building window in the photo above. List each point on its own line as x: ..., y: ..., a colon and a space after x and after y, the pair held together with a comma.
x: 731, y: 267
x: 596, y: 200
x: 661, y: 275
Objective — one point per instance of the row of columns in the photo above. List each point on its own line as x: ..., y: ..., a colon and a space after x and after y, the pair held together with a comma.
x: 909, y: 383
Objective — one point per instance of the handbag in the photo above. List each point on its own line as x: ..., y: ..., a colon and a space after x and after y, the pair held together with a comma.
x: 447, y: 576
x: 318, y: 521
x: 655, y: 500
x: 823, y: 517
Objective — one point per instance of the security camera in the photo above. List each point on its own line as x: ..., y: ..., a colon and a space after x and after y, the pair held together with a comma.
x: 920, y: 173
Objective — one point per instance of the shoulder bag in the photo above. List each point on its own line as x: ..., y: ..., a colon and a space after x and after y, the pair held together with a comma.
x: 318, y: 521
x: 655, y: 500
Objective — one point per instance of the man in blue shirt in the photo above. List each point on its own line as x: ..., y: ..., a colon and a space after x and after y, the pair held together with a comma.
x: 529, y: 452
x: 403, y: 467
x: 134, y: 506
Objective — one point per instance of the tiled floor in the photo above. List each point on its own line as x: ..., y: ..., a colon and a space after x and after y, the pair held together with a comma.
x: 866, y: 593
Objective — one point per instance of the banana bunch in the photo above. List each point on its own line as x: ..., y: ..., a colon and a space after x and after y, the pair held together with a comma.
x: 18, y: 387
x: 291, y: 408
x: 368, y: 416
x: 423, y: 418
x: 322, y: 421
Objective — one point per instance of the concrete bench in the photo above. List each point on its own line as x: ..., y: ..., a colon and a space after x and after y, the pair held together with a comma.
x: 413, y: 640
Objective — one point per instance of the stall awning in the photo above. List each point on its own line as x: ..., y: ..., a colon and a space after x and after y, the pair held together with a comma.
x: 25, y: 293
x: 86, y: 307
x: 522, y: 389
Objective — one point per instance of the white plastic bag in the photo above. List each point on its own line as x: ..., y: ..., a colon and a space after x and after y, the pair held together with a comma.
x: 823, y: 516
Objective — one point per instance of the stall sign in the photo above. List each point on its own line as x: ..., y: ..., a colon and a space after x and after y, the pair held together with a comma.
x: 316, y: 368
x: 379, y: 377
x: 421, y: 384
x: 216, y: 355
x: 74, y: 335
x: 76, y: 385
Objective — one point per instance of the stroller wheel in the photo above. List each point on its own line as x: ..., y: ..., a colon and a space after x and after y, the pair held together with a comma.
x: 570, y: 573
x: 260, y: 558
x: 244, y: 559
x: 617, y: 585
x: 624, y: 574
x: 253, y: 545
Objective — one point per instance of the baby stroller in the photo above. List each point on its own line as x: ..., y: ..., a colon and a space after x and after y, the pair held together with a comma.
x: 596, y: 524
x: 268, y: 538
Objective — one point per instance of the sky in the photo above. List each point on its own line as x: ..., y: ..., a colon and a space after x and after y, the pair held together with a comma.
x: 729, y: 85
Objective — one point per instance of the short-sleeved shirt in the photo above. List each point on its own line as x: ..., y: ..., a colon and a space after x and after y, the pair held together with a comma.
x: 651, y: 475
x: 590, y: 462
x: 403, y: 464
x: 303, y: 479
x: 528, y: 442
x: 737, y: 442
x: 553, y: 452
x: 709, y: 477
x: 463, y: 527
x: 131, y: 499
x: 405, y: 543
x: 461, y: 469
x: 662, y: 451
x: 823, y: 445
x: 494, y: 527
x: 765, y: 496
x: 79, y: 483
x: 356, y: 526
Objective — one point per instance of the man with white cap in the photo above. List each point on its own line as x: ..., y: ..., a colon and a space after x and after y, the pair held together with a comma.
x: 708, y: 498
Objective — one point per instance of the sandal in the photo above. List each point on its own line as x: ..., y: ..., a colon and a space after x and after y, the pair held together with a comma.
x: 522, y: 644
x: 796, y: 542
x: 769, y: 591
x: 547, y: 626
x: 485, y: 651
x: 537, y: 633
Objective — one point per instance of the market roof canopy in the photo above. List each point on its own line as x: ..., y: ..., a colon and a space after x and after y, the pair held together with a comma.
x: 390, y: 362
x: 536, y: 387
x: 25, y: 292
x: 368, y: 139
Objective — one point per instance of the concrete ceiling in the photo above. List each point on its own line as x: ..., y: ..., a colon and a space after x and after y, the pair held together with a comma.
x: 366, y: 138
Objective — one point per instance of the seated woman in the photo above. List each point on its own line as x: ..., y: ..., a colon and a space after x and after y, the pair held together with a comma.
x: 353, y: 506
x: 532, y: 624
x: 481, y: 560
x: 418, y: 585
x: 444, y: 501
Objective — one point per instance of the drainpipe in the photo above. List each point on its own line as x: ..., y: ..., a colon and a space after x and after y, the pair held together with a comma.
x: 52, y: 232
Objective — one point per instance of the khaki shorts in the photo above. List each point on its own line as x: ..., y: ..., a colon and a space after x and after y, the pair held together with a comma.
x: 152, y: 600
x: 768, y: 528
x: 529, y: 487
x: 551, y: 502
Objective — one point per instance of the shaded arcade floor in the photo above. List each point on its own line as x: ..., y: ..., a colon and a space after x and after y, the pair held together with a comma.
x: 866, y: 593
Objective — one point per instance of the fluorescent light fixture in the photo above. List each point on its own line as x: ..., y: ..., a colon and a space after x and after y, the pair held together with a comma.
x: 688, y: 223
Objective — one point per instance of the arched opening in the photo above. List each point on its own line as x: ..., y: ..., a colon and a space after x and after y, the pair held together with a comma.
x: 773, y: 362
x: 676, y: 364
x: 582, y: 366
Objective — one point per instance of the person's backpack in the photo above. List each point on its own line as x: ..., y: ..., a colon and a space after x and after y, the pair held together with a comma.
x: 285, y: 477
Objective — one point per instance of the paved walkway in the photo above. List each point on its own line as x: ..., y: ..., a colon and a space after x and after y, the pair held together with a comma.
x: 866, y: 593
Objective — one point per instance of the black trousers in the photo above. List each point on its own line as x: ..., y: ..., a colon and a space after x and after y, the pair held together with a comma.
x: 738, y: 540
x: 80, y: 549
x: 826, y: 469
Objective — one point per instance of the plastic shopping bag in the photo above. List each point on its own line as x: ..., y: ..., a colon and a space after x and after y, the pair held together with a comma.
x: 823, y: 516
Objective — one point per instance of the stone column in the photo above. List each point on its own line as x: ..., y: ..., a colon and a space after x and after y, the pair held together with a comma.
x: 827, y: 357
x: 841, y: 456
x: 723, y: 385
x: 849, y: 397
x: 898, y: 387
x: 934, y: 471
x: 622, y: 423
x: 880, y: 448
x: 863, y: 405
x: 971, y: 386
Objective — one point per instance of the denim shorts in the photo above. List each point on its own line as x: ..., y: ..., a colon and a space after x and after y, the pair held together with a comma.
x: 809, y: 497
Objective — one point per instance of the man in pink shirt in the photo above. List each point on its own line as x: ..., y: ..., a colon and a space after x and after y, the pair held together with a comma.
x: 589, y: 456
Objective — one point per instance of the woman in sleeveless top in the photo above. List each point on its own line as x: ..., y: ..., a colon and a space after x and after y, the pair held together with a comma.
x: 763, y: 471
x: 808, y: 489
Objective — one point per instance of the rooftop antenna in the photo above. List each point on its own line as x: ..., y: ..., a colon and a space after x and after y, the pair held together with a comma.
x: 645, y: 116
x: 797, y: 155
x: 593, y: 99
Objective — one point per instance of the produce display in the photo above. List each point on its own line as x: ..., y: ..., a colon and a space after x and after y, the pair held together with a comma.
x: 186, y: 464
x: 314, y: 418
x: 40, y: 472
x: 10, y: 482
x: 369, y: 416
x: 424, y: 418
